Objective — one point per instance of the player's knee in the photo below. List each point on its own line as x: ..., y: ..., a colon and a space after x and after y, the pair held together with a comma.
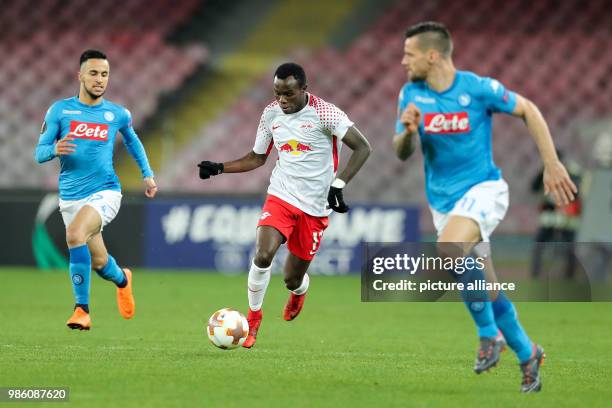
x: 98, y: 262
x: 292, y: 282
x: 453, y: 250
x: 263, y: 257
x: 75, y: 236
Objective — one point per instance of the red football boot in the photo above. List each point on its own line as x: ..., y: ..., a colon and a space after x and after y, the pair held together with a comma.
x: 254, y: 319
x: 294, y: 306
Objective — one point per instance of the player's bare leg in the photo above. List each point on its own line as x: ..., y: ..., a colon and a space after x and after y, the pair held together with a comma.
x: 85, y: 224
x: 267, y: 242
x: 105, y: 265
x: 297, y: 281
x: 466, y: 231
x: 99, y: 254
x: 460, y: 229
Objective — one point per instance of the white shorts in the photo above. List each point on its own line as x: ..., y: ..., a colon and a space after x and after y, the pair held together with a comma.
x: 106, y: 203
x: 486, y: 203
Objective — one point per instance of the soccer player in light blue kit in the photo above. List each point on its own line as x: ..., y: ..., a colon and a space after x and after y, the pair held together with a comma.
x: 81, y: 132
x: 451, y: 111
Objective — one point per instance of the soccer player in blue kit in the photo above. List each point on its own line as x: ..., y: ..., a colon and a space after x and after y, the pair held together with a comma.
x: 81, y: 132
x: 451, y: 111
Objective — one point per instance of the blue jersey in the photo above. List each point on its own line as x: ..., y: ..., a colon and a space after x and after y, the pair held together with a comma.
x: 455, y: 133
x: 89, y: 168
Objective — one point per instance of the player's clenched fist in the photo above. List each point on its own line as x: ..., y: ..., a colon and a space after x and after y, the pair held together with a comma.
x: 150, y: 187
x: 335, y: 198
x: 63, y: 146
x: 208, y: 168
x: 411, y: 118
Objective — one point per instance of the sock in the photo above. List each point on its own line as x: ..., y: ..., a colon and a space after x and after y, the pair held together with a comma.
x: 112, y: 272
x: 482, y: 314
x: 507, y: 321
x: 303, y: 286
x: 84, y: 307
x: 80, y: 271
x: 478, y: 304
x: 257, y: 284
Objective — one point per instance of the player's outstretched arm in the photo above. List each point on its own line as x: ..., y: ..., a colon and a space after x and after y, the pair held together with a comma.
x: 557, y: 181
x: 403, y: 142
x: 249, y: 162
x: 361, y: 148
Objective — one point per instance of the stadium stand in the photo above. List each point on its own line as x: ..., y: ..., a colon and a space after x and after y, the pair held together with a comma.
x: 270, y: 36
x: 40, y: 65
x: 560, y: 60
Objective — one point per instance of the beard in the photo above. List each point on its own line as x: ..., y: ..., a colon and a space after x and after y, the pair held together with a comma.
x: 416, y: 77
x: 94, y: 96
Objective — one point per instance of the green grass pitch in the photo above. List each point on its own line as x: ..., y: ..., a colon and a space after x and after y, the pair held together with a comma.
x: 339, y: 352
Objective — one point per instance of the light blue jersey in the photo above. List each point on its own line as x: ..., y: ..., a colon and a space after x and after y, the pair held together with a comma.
x: 455, y: 133
x: 89, y: 168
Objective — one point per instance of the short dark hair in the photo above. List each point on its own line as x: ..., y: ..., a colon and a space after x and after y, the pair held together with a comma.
x: 288, y: 69
x: 91, y: 54
x: 432, y: 35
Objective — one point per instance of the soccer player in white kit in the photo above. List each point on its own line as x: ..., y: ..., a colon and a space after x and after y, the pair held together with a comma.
x: 308, y: 134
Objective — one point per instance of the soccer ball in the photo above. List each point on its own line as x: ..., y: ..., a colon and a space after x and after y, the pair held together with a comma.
x: 227, y: 328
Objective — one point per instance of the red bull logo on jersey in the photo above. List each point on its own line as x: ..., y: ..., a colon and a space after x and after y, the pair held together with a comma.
x: 294, y: 147
x: 443, y: 123
x: 86, y: 130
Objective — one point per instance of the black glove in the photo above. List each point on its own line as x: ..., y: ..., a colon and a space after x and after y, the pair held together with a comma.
x: 208, y: 168
x: 336, y: 200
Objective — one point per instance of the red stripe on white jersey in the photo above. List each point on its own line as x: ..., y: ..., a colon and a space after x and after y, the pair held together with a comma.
x: 270, y: 146
x: 335, y: 152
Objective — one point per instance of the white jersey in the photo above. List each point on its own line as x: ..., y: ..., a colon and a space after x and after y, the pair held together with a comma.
x: 308, y: 144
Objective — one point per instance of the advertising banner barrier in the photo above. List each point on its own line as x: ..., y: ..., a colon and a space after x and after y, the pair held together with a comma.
x: 219, y: 234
